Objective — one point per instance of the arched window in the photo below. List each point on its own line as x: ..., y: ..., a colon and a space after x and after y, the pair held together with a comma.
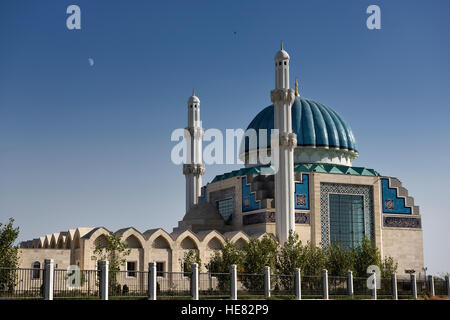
x: 36, y: 270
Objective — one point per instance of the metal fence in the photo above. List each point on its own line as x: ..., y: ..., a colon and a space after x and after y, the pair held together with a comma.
x: 312, y: 287
x: 173, y: 284
x: 337, y: 286
x: 66, y: 284
x: 21, y: 283
x: 250, y: 285
x: 283, y: 286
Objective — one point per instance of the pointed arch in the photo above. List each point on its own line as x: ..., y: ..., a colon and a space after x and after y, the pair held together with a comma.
x: 54, y: 240
x: 132, y: 237
x: 187, y: 240
x: 239, y: 238
x: 213, y: 240
x: 47, y: 240
x: 61, y: 243
x: 80, y: 233
x: 69, y: 238
x: 159, y: 239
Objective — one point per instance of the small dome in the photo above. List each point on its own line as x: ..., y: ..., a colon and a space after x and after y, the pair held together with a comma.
x: 316, y: 126
x: 282, y: 55
x: 193, y: 99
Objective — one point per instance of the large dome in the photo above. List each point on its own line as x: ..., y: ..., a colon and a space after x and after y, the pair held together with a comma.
x: 317, y: 126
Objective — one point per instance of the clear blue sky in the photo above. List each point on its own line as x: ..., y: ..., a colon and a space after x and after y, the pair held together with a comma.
x: 85, y: 145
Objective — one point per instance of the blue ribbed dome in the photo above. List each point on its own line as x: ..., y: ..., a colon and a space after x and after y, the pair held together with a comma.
x: 316, y: 125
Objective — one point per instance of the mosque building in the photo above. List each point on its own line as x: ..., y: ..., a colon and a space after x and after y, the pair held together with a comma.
x: 314, y: 191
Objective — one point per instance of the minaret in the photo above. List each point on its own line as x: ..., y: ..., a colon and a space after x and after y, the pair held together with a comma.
x: 193, y: 169
x: 283, y: 98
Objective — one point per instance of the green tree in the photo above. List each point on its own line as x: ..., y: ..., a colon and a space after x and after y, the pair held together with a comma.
x: 338, y: 259
x: 190, y: 257
x: 257, y: 255
x: 115, y: 252
x: 366, y: 254
x: 313, y: 260
x: 388, y: 267
x: 290, y: 255
x: 289, y: 258
x: 221, y: 262
x: 9, y: 259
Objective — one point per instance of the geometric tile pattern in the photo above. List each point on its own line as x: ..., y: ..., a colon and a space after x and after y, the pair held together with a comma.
x: 302, y: 193
x: 390, y: 201
x: 249, y: 202
x: 332, y: 188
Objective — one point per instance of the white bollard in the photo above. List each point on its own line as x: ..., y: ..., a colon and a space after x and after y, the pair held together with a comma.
x: 152, y: 281
x: 394, y: 287
x: 298, y: 284
x: 431, y: 285
x: 350, y: 283
x: 104, y: 279
x: 233, y: 282
x: 374, y: 286
x: 48, y: 279
x: 267, y: 282
x: 414, y: 285
x: 194, y: 281
x: 325, y: 283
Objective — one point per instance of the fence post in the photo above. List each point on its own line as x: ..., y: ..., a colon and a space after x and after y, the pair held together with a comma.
x: 48, y: 279
x: 394, y: 287
x: 233, y: 282
x: 194, y: 281
x: 431, y: 285
x: 267, y: 282
x: 414, y: 285
x: 447, y: 281
x: 104, y: 278
x: 350, y: 283
x: 374, y: 286
x: 298, y: 284
x: 152, y: 280
x: 325, y: 283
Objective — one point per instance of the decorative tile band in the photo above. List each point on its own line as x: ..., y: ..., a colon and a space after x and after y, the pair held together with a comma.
x: 402, y: 222
x: 269, y: 217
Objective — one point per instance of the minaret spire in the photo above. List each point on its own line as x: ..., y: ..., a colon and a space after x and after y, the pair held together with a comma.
x: 296, y: 88
x: 193, y: 169
x: 283, y: 98
x: 281, y: 48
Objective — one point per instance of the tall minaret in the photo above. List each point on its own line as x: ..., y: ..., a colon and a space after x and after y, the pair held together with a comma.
x: 283, y: 98
x: 193, y: 169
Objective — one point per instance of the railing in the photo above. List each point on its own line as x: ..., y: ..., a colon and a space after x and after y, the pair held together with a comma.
x: 214, y: 285
x: 128, y: 284
x: 337, y: 286
x: 250, y: 285
x: 67, y: 284
x: 91, y: 284
x: 283, y: 286
x: 173, y: 284
x: 312, y: 287
x: 21, y: 283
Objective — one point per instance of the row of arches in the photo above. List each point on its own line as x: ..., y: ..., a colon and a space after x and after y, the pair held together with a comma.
x: 150, y: 239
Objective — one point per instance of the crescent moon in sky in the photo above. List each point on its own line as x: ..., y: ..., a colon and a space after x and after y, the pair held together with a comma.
x: 91, y: 61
